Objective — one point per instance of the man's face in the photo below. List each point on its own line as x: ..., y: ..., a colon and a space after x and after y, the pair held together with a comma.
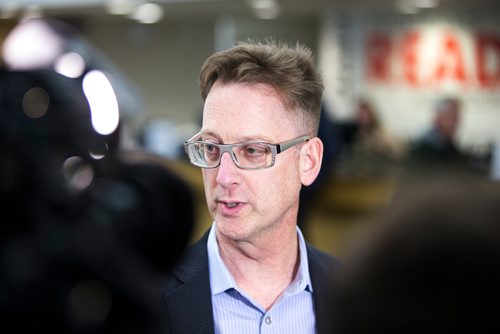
x: 448, y: 119
x: 245, y: 203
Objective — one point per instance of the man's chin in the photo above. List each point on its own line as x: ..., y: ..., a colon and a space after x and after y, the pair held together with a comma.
x: 232, y: 229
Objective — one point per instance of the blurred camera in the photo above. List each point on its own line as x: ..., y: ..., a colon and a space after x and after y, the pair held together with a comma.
x: 86, y: 232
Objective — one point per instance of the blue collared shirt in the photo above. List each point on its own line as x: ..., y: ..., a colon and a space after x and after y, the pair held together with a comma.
x: 236, y: 312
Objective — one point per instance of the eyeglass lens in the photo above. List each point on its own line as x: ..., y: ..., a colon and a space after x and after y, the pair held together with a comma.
x: 251, y: 155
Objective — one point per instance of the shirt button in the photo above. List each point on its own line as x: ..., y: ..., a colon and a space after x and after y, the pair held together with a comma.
x: 268, y: 320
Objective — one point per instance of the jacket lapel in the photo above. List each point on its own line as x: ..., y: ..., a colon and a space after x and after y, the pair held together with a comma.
x: 187, y: 295
x: 322, y: 268
x: 188, y: 299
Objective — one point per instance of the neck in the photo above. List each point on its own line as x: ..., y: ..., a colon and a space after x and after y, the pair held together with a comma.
x: 262, y: 268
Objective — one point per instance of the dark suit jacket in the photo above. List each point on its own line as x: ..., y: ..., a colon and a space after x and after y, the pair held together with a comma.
x: 188, y: 299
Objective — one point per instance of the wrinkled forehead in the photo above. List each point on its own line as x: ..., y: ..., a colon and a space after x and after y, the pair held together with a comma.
x: 246, y: 92
x: 246, y: 110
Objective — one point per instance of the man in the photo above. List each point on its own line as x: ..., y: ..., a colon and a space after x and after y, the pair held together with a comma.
x: 438, y: 147
x: 253, y: 272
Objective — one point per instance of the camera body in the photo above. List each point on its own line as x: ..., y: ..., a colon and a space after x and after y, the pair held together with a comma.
x: 86, y: 233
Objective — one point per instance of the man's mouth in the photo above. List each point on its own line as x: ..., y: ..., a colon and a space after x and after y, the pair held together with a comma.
x: 229, y: 204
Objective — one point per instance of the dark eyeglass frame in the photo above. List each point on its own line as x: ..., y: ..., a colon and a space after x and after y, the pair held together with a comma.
x: 276, y: 149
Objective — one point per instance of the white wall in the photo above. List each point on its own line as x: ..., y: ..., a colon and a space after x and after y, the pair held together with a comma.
x: 406, y: 106
x: 163, y: 60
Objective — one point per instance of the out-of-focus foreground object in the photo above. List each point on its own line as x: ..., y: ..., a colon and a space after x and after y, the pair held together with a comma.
x: 86, y: 234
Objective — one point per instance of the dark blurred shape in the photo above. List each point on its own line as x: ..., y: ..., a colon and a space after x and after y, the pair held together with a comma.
x: 331, y: 135
x: 431, y: 266
x: 48, y: 43
x: 437, y: 148
x: 86, y: 232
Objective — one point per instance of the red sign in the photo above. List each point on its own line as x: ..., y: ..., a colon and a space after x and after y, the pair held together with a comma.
x: 401, y: 59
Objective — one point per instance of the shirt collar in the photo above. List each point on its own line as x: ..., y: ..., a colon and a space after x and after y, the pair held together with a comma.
x: 303, y: 278
x: 220, y: 277
x: 222, y: 280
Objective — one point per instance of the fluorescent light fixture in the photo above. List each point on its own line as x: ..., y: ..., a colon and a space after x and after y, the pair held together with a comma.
x: 265, y: 9
x: 425, y: 3
x: 147, y: 13
x: 414, y: 6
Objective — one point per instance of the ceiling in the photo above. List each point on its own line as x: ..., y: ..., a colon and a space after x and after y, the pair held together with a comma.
x: 206, y: 8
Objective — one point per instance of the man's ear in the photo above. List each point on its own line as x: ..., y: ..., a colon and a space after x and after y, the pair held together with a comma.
x: 311, y: 156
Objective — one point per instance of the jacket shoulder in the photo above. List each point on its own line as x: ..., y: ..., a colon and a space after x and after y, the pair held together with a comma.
x: 321, y: 259
x: 186, y: 292
x: 192, y: 263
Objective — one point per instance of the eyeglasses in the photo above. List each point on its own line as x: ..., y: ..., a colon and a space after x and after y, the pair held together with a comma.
x: 249, y: 155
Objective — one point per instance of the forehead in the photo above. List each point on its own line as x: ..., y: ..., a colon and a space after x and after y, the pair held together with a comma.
x: 242, y: 111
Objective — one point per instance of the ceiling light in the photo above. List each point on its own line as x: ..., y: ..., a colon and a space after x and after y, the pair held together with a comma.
x: 407, y: 7
x: 265, y: 9
x: 425, y: 3
x: 147, y: 13
x: 120, y: 7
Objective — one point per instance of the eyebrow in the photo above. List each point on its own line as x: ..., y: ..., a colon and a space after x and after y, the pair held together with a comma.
x: 256, y: 138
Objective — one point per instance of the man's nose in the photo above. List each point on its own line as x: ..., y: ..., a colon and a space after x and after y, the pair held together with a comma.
x: 228, y: 173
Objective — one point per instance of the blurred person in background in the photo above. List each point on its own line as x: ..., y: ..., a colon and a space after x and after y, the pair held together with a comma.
x: 253, y: 271
x: 431, y: 264
x: 369, y: 150
x: 437, y: 148
x: 88, y: 230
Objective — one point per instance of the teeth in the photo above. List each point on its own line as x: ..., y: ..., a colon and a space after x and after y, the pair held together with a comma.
x: 231, y: 205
